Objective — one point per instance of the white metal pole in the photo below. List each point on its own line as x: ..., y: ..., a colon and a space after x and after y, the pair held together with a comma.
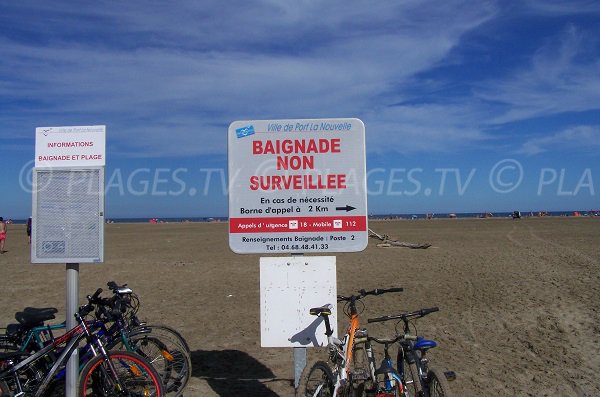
x: 72, y: 305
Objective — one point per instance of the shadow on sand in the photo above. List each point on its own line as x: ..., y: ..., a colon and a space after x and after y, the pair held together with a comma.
x: 233, y: 373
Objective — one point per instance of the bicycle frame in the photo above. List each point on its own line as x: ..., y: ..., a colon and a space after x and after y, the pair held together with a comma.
x: 409, y: 351
x: 341, y: 352
x: 390, y: 374
x: 72, y: 338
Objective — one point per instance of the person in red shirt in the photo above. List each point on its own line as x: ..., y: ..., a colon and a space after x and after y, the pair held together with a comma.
x: 3, y: 230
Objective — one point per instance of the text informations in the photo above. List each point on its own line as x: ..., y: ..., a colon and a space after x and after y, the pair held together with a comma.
x: 297, y: 186
x: 70, y: 146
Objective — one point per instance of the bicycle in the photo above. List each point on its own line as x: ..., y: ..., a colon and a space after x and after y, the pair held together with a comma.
x: 24, y: 374
x: 346, y: 377
x: 130, y: 306
x: 388, y: 382
x: 161, y: 345
x: 165, y: 348
x: 417, y: 377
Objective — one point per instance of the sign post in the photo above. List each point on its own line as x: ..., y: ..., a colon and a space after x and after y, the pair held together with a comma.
x: 297, y: 186
x: 68, y: 210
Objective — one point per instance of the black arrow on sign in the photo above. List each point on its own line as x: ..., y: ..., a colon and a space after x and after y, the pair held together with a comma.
x: 346, y: 208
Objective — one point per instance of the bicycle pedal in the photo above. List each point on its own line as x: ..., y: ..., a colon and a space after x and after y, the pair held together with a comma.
x: 450, y: 375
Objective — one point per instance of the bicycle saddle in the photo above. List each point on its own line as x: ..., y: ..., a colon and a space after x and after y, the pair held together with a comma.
x: 424, y: 344
x: 317, y: 311
x: 31, y: 316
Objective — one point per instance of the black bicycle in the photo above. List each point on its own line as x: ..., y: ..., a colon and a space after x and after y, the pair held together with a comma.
x: 418, y: 377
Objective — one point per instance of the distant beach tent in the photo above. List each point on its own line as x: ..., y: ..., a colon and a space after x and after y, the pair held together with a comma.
x: 452, y: 216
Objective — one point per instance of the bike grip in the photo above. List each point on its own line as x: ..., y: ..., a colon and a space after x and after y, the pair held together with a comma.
x: 96, y: 294
x: 430, y: 310
x: 377, y: 319
x: 394, y: 289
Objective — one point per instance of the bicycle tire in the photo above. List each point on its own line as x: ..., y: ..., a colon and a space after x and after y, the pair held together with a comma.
x: 437, y: 384
x: 4, y: 390
x: 165, y: 352
x: 162, y: 329
x: 30, y: 377
x: 319, y: 379
x: 9, y: 344
x: 134, y: 372
x: 412, y: 381
x: 171, y: 362
x: 361, y: 370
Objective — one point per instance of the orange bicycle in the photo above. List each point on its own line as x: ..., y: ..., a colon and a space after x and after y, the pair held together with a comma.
x: 345, y: 377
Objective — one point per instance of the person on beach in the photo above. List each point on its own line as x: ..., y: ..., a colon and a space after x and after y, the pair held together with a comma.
x: 29, y: 230
x: 2, y: 234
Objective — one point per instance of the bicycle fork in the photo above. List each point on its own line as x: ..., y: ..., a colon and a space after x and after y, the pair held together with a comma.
x: 93, y: 340
x: 391, y: 376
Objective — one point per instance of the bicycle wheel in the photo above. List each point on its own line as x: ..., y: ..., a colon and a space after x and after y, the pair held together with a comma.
x: 165, y: 330
x: 361, y: 372
x: 168, y: 358
x: 165, y: 352
x: 318, y: 382
x: 437, y: 383
x: 135, y: 375
x: 4, y: 391
x: 411, y: 379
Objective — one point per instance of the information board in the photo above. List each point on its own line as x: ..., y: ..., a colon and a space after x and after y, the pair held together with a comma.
x: 68, y: 195
x: 79, y: 146
x: 68, y: 215
x: 289, y: 287
x: 297, y: 186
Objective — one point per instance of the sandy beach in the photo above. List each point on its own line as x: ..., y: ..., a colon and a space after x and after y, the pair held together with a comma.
x: 518, y: 299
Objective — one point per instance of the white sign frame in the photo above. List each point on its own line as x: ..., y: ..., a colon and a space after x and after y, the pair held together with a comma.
x: 289, y: 287
x: 297, y: 186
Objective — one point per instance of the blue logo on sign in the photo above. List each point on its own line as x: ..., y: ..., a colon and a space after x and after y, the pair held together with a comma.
x: 53, y: 247
x: 245, y: 131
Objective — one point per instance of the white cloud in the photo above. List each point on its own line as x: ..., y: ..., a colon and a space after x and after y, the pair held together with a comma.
x: 579, y: 138
x: 560, y: 78
x: 560, y: 7
x: 153, y: 70
x: 423, y: 128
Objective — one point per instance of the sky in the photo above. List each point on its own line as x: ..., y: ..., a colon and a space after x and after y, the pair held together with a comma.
x: 468, y: 106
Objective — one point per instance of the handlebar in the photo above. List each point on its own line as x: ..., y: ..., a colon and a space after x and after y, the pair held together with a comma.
x: 405, y: 316
x: 109, y: 308
x: 362, y: 293
x: 386, y: 341
x: 119, y: 289
x: 94, y: 298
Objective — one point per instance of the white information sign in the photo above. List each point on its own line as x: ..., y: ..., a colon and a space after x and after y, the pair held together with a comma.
x: 68, y: 215
x: 80, y: 146
x: 297, y: 186
x: 289, y: 287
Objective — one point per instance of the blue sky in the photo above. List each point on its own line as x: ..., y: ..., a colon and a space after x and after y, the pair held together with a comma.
x: 469, y: 106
